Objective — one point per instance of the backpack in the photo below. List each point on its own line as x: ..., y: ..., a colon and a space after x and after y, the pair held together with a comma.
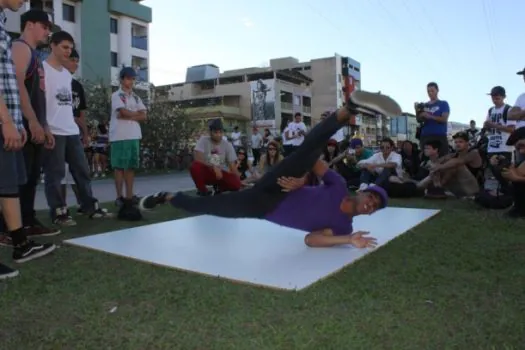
x: 505, y: 112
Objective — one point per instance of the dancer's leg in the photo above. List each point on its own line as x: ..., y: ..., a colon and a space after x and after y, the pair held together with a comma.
x: 303, y: 159
x: 250, y: 203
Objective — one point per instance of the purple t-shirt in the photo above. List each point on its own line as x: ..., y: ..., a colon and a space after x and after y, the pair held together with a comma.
x: 313, y: 208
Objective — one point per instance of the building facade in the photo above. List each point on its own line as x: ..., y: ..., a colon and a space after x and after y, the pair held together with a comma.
x: 404, y: 127
x: 259, y: 97
x: 108, y: 34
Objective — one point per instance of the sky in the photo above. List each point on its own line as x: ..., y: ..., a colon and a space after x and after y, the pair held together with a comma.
x: 466, y: 46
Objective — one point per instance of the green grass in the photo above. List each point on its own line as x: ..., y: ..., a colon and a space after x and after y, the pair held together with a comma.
x: 455, y: 282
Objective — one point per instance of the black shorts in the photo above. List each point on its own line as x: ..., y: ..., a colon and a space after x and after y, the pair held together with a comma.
x: 12, y: 170
x: 101, y: 150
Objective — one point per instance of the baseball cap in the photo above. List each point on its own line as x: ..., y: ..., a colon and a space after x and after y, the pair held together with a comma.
x: 38, y: 16
x: 215, y: 125
x: 380, y: 191
x: 497, y: 91
x: 127, y: 72
x: 521, y: 72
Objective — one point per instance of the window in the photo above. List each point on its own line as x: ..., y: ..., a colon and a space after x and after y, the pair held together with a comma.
x: 68, y: 13
x: 113, y: 25
x: 114, y: 59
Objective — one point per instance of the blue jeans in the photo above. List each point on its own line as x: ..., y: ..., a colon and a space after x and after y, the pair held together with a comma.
x: 379, y: 179
x: 68, y: 149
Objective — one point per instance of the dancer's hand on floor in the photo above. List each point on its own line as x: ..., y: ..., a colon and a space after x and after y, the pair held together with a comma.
x: 359, y: 240
x: 291, y: 183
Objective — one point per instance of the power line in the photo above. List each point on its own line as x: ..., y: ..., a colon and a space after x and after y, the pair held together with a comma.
x: 489, y: 32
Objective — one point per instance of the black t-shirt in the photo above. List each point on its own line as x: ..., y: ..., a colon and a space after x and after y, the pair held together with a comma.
x: 79, y: 98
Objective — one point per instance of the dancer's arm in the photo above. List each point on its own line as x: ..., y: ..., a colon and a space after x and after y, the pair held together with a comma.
x: 326, y: 238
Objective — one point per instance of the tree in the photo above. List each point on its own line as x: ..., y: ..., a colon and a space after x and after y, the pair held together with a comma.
x: 98, y: 98
x: 168, y: 127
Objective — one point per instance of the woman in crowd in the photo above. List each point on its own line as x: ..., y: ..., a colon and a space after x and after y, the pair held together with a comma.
x: 270, y: 158
x: 331, y: 155
x: 266, y: 139
x: 411, y: 159
x: 244, y: 166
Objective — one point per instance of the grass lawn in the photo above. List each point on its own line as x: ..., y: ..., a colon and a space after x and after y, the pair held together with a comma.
x: 455, y: 282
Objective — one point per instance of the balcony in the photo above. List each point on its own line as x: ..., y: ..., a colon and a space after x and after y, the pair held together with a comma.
x: 139, y: 42
x: 288, y: 106
x: 307, y: 110
x: 142, y: 75
x: 209, y: 110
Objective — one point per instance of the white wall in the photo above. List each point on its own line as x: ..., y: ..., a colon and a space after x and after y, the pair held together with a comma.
x: 73, y: 28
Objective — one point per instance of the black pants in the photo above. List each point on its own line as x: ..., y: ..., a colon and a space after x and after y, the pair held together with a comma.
x: 256, y: 155
x: 261, y: 199
x: 33, y: 162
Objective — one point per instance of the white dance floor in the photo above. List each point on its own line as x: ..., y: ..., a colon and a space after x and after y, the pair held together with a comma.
x: 248, y: 250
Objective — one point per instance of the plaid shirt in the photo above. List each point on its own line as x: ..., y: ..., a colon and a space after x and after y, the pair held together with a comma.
x: 8, y: 84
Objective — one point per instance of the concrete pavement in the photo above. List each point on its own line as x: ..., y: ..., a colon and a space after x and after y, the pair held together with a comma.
x: 104, y: 189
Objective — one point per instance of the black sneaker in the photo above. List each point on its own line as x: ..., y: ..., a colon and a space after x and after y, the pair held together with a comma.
x: 7, y: 272
x: 204, y: 194
x: 100, y: 213
x: 31, y: 250
x: 151, y: 201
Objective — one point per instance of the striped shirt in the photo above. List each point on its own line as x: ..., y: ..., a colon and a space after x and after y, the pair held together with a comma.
x: 8, y: 84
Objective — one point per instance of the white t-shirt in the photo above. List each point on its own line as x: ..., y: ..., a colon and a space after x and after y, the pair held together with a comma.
x: 121, y: 129
x: 286, y: 141
x: 520, y: 102
x: 498, y: 139
x: 59, y: 101
x: 339, y: 135
x: 256, y: 141
x: 295, y: 129
x: 236, y: 138
x: 378, y: 158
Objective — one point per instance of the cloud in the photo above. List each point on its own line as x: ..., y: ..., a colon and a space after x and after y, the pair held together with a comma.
x: 248, y: 23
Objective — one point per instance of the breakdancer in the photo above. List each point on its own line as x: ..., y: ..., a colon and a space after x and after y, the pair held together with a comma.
x: 325, y: 211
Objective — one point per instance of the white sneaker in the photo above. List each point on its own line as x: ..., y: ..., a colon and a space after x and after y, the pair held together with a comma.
x: 362, y: 187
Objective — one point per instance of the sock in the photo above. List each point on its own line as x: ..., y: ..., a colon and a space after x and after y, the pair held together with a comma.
x: 18, y: 236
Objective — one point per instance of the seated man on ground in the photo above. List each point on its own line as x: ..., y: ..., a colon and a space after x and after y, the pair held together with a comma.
x: 461, y: 172
x: 516, y: 174
x: 215, y: 162
x: 325, y: 211
x: 378, y: 168
x: 354, y: 154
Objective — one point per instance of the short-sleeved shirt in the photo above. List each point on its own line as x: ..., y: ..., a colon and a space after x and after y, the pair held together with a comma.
x: 314, y: 208
x: 219, y: 154
x: 432, y: 127
x: 520, y: 103
x: 121, y: 129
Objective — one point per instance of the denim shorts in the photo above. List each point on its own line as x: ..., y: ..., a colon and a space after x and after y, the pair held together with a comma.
x: 12, y: 170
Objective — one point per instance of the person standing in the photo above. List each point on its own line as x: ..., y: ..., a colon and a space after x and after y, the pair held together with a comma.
x: 434, y: 119
x: 35, y: 26
x: 498, y: 126
x: 298, y: 131
x: 517, y: 113
x: 127, y: 112
x: 257, y: 142
x: 12, y: 168
x: 68, y: 146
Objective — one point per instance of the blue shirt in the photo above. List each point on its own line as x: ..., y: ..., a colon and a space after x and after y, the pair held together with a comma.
x: 432, y: 127
x: 313, y: 208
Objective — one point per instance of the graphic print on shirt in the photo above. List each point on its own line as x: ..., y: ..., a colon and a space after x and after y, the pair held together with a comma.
x: 214, y: 157
x: 64, y: 97
x: 495, y: 136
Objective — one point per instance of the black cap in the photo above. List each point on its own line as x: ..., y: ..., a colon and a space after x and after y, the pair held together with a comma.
x: 215, y: 125
x: 127, y: 72
x: 518, y: 134
x: 521, y: 72
x: 38, y: 16
x: 497, y: 91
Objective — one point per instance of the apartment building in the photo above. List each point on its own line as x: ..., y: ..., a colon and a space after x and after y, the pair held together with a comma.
x: 108, y: 34
x: 334, y: 78
x: 264, y: 97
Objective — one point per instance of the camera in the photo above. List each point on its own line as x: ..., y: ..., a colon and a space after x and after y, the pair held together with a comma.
x: 420, y: 106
